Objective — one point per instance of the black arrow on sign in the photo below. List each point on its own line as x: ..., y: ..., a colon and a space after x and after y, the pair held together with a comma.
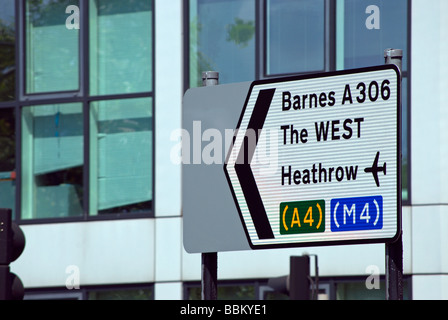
x: 244, y: 171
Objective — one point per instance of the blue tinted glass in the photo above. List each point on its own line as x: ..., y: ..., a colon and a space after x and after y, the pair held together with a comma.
x: 295, y: 36
x: 367, y: 35
x: 222, y: 38
x: 7, y: 159
x: 52, y: 161
x: 52, y: 46
x: 120, y: 46
x: 121, y: 168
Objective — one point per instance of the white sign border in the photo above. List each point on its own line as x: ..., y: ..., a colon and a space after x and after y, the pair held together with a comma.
x: 236, y: 188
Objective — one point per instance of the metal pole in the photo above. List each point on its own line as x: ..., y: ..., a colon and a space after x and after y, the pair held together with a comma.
x: 394, y: 251
x: 209, y: 281
x: 316, y: 278
x: 209, y: 270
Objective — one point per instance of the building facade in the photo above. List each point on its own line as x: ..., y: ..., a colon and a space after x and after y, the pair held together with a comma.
x: 90, y: 95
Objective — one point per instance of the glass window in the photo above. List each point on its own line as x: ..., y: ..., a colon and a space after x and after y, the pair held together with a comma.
x: 7, y: 158
x: 121, y: 294
x: 226, y: 292
x: 222, y: 38
x: 357, y: 290
x: 364, y: 46
x: 121, y: 156
x: 295, y: 36
x: 52, y: 49
x: 363, y: 34
x: 7, y: 51
x: 59, y: 179
x: 109, y: 292
x: 52, y: 161
x: 120, y: 46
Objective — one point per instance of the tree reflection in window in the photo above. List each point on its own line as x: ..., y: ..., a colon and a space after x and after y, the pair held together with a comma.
x: 7, y: 61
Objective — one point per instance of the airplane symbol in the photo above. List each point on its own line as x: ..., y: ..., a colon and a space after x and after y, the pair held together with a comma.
x: 375, y: 169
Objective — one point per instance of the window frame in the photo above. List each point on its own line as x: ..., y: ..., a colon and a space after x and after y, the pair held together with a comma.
x: 84, y: 292
x: 261, y: 43
x: 13, y: 104
x: 82, y: 96
x: 21, y: 59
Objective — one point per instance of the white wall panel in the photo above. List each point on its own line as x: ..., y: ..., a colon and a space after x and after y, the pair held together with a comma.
x: 429, y: 239
x: 168, y: 291
x: 168, y: 102
x: 106, y: 252
x: 168, y: 248
x: 430, y: 287
x: 429, y: 96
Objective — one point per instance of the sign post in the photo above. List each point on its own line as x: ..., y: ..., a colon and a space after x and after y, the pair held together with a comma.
x: 394, y: 250
x: 209, y: 268
x: 316, y: 159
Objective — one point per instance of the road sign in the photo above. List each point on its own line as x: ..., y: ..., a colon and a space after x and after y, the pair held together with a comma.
x: 211, y: 221
x: 315, y: 159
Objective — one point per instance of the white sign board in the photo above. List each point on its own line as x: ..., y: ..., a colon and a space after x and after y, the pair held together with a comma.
x: 315, y: 159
